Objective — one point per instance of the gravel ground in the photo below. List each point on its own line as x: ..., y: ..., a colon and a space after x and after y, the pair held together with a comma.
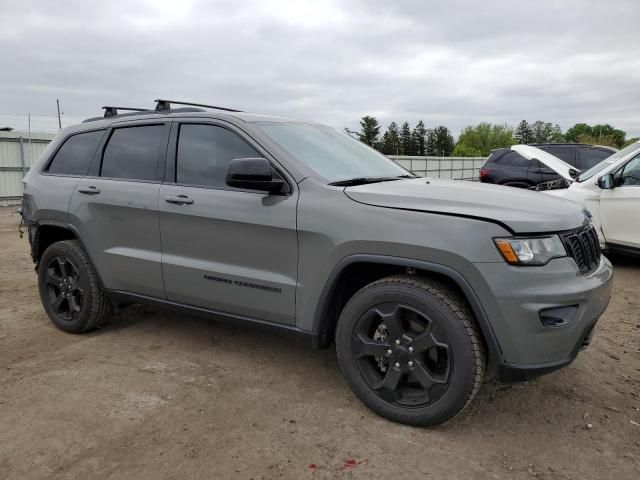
x: 159, y: 395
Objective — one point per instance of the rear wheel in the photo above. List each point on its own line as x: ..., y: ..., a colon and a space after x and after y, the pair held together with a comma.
x: 410, y: 350
x: 69, y: 288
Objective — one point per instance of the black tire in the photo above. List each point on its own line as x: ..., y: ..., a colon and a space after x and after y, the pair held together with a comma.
x: 449, y: 349
x: 69, y: 288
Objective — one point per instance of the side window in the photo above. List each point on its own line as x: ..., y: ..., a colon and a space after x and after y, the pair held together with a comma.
x: 513, y: 159
x: 204, y: 152
x: 589, y: 157
x: 133, y: 152
x: 74, y: 157
x: 631, y: 173
x: 566, y: 154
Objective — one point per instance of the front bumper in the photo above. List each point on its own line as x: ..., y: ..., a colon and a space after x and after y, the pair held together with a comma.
x: 513, y: 298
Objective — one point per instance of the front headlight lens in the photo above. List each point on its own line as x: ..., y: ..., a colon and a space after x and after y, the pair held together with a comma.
x: 530, y: 251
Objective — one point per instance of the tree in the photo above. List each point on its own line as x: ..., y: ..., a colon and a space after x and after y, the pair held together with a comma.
x: 630, y: 141
x: 485, y: 137
x: 523, y: 133
x: 596, y: 134
x: 369, y: 130
x: 463, y: 150
x: 406, y: 141
x: 439, y: 142
x: 419, y: 136
x: 546, y: 132
x: 391, y: 140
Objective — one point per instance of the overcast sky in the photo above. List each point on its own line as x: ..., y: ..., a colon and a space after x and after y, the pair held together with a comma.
x: 453, y: 63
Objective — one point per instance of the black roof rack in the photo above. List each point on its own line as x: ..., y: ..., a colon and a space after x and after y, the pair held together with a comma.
x: 113, y: 111
x: 162, y: 105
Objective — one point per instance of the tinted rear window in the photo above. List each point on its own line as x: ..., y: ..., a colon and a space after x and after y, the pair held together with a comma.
x: 75, y: 155
x: 512, y: 159
x: 133, y: 152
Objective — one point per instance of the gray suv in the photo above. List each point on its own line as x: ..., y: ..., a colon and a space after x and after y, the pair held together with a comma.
x: 422, y: 284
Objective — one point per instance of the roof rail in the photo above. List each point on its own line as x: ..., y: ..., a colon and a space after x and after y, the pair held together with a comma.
x: 113, y: 111
x: 162, y: 105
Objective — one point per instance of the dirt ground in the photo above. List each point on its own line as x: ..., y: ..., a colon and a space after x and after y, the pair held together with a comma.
x: 159, y: 395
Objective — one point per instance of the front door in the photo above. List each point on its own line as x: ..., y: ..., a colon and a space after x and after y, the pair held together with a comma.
x: 620, y: 206
x: 225, y: 249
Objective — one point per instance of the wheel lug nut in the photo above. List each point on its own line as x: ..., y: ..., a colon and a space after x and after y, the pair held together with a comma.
x: 410, y: 363
x: 397, y: 364
x: 389, y: 352
x: 398, y: 342
x: 410, y: 349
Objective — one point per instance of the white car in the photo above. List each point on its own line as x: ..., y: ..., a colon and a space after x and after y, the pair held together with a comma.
x: 611, y: 193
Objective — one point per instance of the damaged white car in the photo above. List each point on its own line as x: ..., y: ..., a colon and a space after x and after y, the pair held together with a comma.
x: 610, y: 191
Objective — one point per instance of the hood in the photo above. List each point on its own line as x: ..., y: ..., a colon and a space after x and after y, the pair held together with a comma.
x: 521, y: 211
x: 560, y: 166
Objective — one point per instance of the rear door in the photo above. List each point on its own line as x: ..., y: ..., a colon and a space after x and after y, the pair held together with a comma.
x: 230, y: 250
x: 115, y: 208
x: 620, y: 207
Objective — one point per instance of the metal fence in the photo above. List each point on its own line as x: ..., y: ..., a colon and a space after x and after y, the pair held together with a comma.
x: 454, y: 168
x: 18, y: 151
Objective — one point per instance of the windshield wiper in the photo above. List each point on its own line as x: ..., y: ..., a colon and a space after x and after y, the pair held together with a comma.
x: 364, y: 180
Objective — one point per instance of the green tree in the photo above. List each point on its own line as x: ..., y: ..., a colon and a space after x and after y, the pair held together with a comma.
x: 630, y: 141
x: 523, y: 133
x: 596, y: 133
x: 419, y: 136
x: 369, y: 130
x: 391, y: 140
x: 546, y: 132
x: 406, y: 140
x: 439, y: 142
x: 463, y: 150
x: 484, y: 137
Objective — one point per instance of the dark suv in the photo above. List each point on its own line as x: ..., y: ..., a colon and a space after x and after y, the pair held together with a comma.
x: 260, y: 220
x: 506, y: 167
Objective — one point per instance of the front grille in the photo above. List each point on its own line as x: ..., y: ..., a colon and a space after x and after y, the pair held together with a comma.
x: 583, y: 246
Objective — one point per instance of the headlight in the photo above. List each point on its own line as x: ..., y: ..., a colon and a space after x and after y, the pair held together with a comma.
x: 530, y: 251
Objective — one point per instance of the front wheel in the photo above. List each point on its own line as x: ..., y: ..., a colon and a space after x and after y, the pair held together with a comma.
x: 69, y: 288
x: 410, y: 350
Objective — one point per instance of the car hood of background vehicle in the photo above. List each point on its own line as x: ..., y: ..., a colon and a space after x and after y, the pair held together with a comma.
x: 522, y: 211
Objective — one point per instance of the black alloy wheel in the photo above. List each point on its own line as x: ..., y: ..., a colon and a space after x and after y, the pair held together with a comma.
x: 410, y: 349
x: 70, y: 290
x: 64, y: 290
x: 402, y: 354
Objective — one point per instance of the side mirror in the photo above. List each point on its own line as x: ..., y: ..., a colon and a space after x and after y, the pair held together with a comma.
x: 606, y: 182
x: 252, y: 174
x: 573, y: 173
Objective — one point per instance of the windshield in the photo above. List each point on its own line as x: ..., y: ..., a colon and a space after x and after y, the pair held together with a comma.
x: 332, y: 154
x: 634, y: 147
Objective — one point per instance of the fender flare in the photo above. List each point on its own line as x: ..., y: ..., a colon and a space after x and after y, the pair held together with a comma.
x: 65, y: 226
x: 495, y: 353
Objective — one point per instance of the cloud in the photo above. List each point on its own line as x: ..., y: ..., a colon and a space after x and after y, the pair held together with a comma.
x: 453, y: 63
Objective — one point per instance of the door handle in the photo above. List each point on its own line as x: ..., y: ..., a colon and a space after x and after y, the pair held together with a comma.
x: 90, y: 190
x: 179, y: 200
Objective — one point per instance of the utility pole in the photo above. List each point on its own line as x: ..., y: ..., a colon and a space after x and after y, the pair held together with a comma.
x: 59, y: 121
x: 29, y: 131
